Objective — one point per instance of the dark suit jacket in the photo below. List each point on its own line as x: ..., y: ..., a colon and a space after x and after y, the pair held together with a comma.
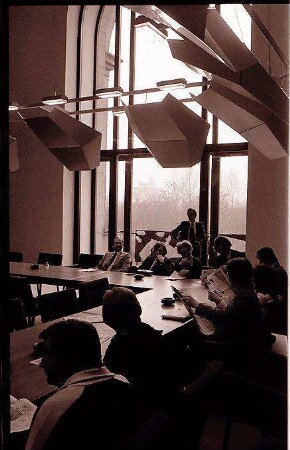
x: 165, y: 268
x: 222, y: 260
x: 142, y: 356
x: 103, y: 417
x: 121, y: 263
x: 191, y: 264
x: 182, y: 231
x: 241, y: 322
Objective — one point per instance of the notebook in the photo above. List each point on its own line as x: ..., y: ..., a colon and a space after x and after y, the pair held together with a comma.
x: 179, y: 315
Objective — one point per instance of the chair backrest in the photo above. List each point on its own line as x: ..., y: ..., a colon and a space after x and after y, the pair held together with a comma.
x: 54, y: 259
x: 57, y: 304
x: 87, y: 260
x: 91, y: 293
x: 16, y: 256
x: 19, y: 287
x: 16, y: 315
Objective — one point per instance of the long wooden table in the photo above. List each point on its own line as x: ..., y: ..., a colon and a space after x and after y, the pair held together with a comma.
x: 28, y: 380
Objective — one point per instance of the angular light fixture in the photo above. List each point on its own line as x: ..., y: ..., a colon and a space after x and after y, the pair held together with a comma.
x: 174, y: 134
x: 251, y: 75
x: 55, y: 100
x: 142, y: 21
x: 200, y: 55
x: 13, y: 106
x: 257, y: 123
x: 109, y: 92
x: 168, y: 85
x: 187, y: 20
x: 191, y: 18
x: 118, y: 112
x: 76, y: 145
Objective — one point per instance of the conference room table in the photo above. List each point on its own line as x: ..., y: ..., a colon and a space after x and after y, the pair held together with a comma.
x: 28, y: 379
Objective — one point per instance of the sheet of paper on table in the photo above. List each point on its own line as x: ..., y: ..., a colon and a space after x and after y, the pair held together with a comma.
x: 174, y: 277
x: 22, y: 412
x: 89, y: 270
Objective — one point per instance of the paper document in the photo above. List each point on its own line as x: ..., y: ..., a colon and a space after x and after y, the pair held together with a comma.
x: 89, y: 270
x: 22, y: 412
x: 218, y: 284
x: 174, y: 277
x: 91, y: 318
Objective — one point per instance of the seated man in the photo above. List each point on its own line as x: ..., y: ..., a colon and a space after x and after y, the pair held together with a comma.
x: 266, y: 255
x: 136, y: 351
x: 116, y: 260
x: 91, y: 408
x: 241, y: 323
x: 157, y: 261
x: 222, y: 247
x: 153, y: 366
x: 265, y: 287
x: 187, y: 266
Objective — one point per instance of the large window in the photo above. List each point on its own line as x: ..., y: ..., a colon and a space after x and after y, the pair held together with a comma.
x: 233, y: 198
x: 160, y: 197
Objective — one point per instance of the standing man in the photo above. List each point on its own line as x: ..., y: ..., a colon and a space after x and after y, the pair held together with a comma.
x: 116, y: 260
x: 192, y: 231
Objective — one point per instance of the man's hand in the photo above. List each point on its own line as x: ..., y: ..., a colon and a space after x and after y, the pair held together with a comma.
x: 213, y: 297
x: 183, y: 273
x: 160, y: 258
x: 190, y: 301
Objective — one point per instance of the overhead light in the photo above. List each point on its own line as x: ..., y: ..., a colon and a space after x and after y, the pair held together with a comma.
x: 109, y: 92
x: 118, y: 112
x: 142, y: 21
x: 168, y: 85
x: 211, y: 6
x: 55, y: 100
x: 13, y: 106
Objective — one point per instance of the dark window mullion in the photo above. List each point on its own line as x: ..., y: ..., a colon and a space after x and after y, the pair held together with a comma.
x: 77, y: 178
x: 129, y: 163
x: 94, y: 171
x: 113, y: 193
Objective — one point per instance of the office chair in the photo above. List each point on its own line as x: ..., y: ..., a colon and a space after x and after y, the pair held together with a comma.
x: 16, y: 315
x: 87, y: 260
x: 256, y: 404
x: 57, y: 304
x: 91, y: 293
x: 16, y: 256
x: 53, y: 259
x: 19, y: 287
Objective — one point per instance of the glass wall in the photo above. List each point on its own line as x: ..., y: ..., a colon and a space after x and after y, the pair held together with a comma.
x: 102, y: 210
x: 161, y: 197
x: 233, y: 198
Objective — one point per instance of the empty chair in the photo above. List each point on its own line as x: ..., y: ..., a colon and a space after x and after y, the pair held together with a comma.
x: 16, y: 315
x: 19, y: 287
x: 91, y: 293
x: 87, y: 260
x: 53, y: 259
x: 57, y: 304
x: 15, y: 256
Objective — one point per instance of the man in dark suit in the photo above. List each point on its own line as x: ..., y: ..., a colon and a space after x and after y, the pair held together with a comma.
x: 192, y: 231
